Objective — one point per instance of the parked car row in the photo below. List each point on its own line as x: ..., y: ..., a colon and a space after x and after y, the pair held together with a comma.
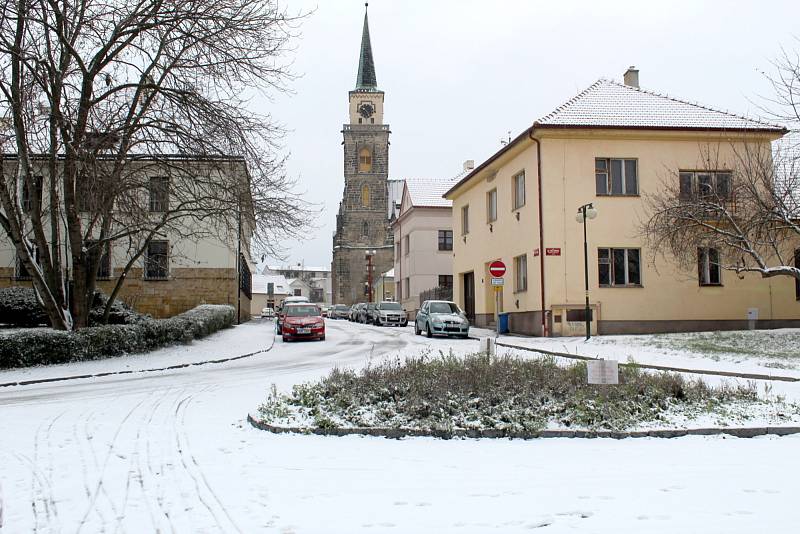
x: 435, y: 317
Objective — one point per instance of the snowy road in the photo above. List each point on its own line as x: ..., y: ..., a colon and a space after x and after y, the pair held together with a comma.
x: 170, y: 452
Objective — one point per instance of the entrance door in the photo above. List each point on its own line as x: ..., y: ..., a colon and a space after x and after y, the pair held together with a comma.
x: 468, y: 283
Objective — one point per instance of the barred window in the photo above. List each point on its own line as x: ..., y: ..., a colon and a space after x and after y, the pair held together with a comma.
x: 156, y: 265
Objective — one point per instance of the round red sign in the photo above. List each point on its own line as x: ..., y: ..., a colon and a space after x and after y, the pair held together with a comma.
x: 497, y: 268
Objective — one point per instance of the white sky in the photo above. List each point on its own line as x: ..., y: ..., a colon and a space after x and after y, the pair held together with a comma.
x: 459, y: 74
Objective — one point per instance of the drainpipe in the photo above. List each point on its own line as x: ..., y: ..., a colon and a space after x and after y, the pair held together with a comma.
x: 541, y: 225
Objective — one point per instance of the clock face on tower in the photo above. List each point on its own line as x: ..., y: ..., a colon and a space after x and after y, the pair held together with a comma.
x: 366, y: 109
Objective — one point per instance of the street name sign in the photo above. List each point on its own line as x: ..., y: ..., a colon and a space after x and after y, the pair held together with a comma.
x: 497, y: 269
x: 553, y: 251
x: 602, y: 371
x: 497, y: 281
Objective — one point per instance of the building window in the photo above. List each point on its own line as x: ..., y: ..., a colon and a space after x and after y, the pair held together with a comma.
x: 521, y: 273
x: 491, y: 206
x: 104, y: 269
x: 298, y: 293
x: 407, y: 287
x: 708, y: 269
x: 705, y: 185
x: 364, y: 230
x: 397, y: 249
x: 270, y: 288
x: 618, y: 267
x: 159, y: 194
x: 578, y: 315
x: 399, y: 290
x: 365, y: 196
x: 21, y: 271
x: 406, y: 244
x: 465, y: 220
x: 27, y: 198
x: 156, y: 262
x: 519, y: 190
x: 364, y: 160
x: 446, y: 280
x: 445, y: 240
x: 616, y: 177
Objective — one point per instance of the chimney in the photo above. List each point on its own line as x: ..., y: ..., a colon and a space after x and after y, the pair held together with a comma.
x: 469, y: 164
x: 631, y: 77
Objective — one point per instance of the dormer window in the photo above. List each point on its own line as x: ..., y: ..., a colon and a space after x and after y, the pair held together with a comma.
x: 364, y: 160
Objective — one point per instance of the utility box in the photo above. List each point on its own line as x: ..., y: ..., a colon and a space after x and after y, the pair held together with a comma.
x: 752, y: 317
x: 487, y: 345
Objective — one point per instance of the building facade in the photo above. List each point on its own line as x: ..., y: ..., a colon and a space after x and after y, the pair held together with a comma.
x: 362, y: 224
x: 612, y: 145
x: 423, y: 243
x: 183, y: 265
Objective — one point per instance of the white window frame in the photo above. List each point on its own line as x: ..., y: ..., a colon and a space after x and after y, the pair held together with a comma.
x: 518, y: 183
x: 521, y: 273
x: 609, y: 179
x: 609, y: 260
x: 465, y: 220
x: 706, y: 267
x: 491, y: 205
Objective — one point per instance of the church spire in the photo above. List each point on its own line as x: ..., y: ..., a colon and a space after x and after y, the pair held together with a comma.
x: 366, y: 66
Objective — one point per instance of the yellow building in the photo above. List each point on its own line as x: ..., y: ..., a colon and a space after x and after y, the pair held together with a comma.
x: 609, y: 145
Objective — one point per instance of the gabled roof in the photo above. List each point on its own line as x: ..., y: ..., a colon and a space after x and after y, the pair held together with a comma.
x: 427, y: 192
x: 259, y: 284
x: 610, y: 104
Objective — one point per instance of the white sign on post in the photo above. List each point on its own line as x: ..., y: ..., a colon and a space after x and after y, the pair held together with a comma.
x: 603, y: 371
x: 497, y: 281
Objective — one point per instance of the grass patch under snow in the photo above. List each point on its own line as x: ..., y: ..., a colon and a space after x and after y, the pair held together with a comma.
x: 448, y: 392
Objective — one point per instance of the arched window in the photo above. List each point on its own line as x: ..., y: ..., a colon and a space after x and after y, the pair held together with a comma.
x: 364, y: 160
x: 365, y: 195
x: 365, y: 229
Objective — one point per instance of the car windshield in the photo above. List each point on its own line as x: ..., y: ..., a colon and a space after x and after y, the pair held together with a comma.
x: 342, y: 307
x: 443, y: 307
x: 390, y: 306
x: 302, y: 311
x: 371, y: 306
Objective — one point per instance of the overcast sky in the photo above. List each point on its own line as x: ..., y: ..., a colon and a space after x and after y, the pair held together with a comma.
x: 460, y: 74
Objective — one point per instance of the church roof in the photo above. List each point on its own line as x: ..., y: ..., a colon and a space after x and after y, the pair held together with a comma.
x: 366, y: 80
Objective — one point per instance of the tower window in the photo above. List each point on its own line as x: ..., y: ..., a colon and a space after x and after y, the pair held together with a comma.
x: 364, y: 160
x: 365, y: 196
x: 365, y: 229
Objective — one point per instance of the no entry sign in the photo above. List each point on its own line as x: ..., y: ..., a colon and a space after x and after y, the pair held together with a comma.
x: 497, y: 269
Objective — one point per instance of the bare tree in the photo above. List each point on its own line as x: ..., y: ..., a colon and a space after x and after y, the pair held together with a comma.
x: 96, y: 93
x: 742, y: 215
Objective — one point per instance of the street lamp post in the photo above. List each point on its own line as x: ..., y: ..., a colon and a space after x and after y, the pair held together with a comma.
x: 587, y: 211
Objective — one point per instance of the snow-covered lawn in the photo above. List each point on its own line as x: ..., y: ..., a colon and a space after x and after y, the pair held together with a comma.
x: 769, y: 352
x: 171, y: 452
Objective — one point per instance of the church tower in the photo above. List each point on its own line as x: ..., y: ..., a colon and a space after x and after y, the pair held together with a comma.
x: 362, y: 224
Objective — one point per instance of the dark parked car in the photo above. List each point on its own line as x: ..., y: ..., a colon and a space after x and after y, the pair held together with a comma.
x: 441, y: 317
x: 365, y: 313
x: 302, y: 321
x: 389, y: 314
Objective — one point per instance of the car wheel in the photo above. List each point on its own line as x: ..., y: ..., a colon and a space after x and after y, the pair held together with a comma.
x: 417, y: 331
x: 428, y: 331
x: 285, y: 339
x: 322, y: 338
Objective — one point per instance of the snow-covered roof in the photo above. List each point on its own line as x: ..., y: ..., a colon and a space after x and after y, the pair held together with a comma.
x: 389, y: 273
x: 427, y: 192
x: 260, y: 281
x: 295, y: 267
x: 607, y: 103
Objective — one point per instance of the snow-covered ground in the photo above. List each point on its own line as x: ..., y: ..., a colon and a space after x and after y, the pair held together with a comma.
x: 170, y: 452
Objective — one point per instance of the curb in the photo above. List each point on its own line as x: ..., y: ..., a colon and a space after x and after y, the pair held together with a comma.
x: 130, y: 372
x: 732, y: 374
x: 397, y: 433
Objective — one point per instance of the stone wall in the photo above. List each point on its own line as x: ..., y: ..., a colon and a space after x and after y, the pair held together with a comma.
x: 185, y: 289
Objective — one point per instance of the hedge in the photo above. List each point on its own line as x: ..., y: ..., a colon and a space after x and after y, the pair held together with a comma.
x: 44, y: 346
x: 19, y: 307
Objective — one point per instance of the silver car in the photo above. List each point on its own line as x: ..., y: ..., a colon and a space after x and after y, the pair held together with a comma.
x: 389, y: 313
x: 441, y: 317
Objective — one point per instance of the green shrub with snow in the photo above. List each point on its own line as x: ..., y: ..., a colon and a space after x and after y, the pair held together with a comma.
x: 42, y: 346
x: 19, y: 307
x: 479, y: 392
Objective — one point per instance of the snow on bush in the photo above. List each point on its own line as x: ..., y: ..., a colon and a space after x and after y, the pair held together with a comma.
x: 505, y: 393
x: 19, y: 307
x: 42, y: 346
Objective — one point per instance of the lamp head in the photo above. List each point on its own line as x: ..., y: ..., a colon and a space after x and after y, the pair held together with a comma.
x: 591, y: 212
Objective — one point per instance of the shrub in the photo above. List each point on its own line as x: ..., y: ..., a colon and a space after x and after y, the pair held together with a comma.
x: 19, y: 307
x: 43, y: 346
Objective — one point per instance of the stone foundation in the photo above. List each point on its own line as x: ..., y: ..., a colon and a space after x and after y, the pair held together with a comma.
x: 185, y: 289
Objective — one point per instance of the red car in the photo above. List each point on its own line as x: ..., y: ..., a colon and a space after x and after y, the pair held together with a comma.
x: 302, y: 321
